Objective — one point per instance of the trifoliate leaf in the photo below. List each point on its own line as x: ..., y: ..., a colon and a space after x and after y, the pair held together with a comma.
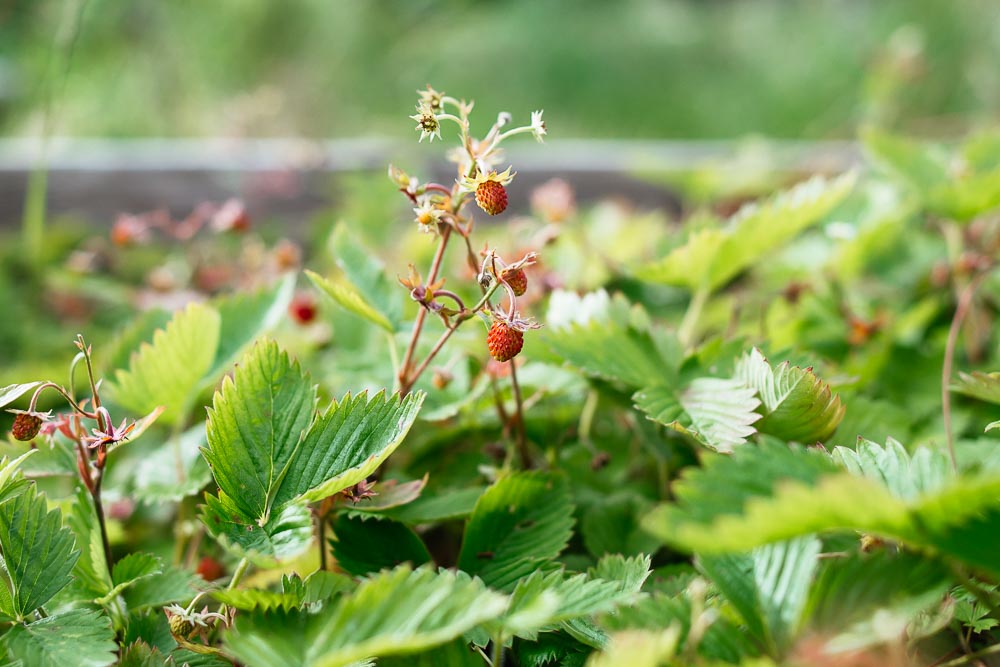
x: 269, y: 453
x: 743, y: 501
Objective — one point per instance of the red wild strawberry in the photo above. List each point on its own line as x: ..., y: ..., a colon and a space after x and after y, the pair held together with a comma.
x: 210, y: 569
x: 26, y: 426
x: 504, y: 341
x: 303, y: 309
x: 517, y: 279
x: 491, y: 197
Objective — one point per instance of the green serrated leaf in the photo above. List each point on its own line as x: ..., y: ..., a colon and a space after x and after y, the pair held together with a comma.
x: 172, y: 585
x: 141, y: 654
x: 397, y: 612
x: 367, y: 273
x: 287, y: 533
x: 347, y: 443
x: 350, y: 299
x: 251, y: 599
x: 444, y: 506
x: 637, y: 648
x: 269, y: 454
x: 453, y: 654
x: 168, y: 371
x: 767, y: 586
x: 712, y: 257
x: 864, y: 589
x: 611, y: 352
x: 984, y: 386
x: 714, y: 412
x: 759, y: 507
x: 255, y: 425
x: 364, y: 546
x: 244, y: 316
x: 906, y: 477
x: 796, y: 404
x: 522, y: 520
x: 542, y: 601
x: 132, y: 568
x: 172, y: 471
x: 90, y: 570
x: 38, y: 552
x: 77, y: 637
x: 12, y: 392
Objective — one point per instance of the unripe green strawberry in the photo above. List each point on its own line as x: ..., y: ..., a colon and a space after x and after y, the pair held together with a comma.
x: 180, y: 626
x: 26, y: 426
x: 504, y: 341
x: 517, y: 279
x: 491, y: 197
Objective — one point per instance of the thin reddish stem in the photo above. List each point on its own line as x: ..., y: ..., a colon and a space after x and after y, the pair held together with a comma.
x: 418, y: 324
x: 961, y: 309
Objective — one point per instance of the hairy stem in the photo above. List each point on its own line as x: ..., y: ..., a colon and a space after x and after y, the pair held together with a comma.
x: 102, y: 522
x: 972, y: 657
x: 961, y: 309
x: 321, y: 536
x: 519, y: 427
x: 686, y: 331
x: 241, y: 569
x: 418, y: 324
x: 406, y: 383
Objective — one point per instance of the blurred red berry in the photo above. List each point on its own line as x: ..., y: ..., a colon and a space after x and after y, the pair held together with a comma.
x: 210, y: 569
x: 303, y: 308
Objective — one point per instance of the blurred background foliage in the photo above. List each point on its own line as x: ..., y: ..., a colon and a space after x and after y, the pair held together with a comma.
x: 628, y: 68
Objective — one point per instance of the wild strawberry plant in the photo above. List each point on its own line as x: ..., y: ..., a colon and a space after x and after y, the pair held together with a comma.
x: 763, y: 438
